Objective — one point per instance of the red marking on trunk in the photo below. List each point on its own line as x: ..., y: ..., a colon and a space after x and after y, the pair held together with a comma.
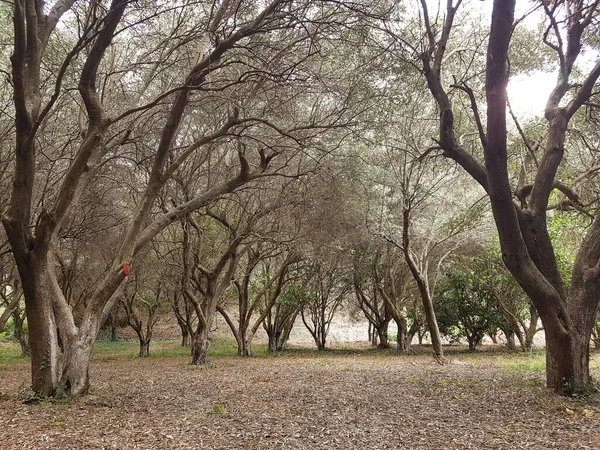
x: 126, y: 269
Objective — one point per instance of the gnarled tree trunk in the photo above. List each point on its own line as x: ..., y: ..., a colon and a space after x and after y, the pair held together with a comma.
x: 201, y: 345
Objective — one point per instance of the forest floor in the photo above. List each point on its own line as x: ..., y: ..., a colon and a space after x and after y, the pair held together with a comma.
x: 350, y: 398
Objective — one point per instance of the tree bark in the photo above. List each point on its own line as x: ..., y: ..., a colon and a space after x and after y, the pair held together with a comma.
x: 42, y: 327
x: 510, y: 340
x: 430, y: 317
x: 75, y: 378
x: 144, y: 348
x: 382, y: 334
x: 185, y: 337
x: 200, y: 348
x: 402, y: 336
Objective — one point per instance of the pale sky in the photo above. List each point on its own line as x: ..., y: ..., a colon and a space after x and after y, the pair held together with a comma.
x: 528, y: 93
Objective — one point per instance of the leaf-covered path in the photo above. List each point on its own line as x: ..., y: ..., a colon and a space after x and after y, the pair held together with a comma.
x: 306, y: 401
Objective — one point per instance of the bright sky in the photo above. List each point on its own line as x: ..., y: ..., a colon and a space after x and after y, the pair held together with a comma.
x: 528, y: 93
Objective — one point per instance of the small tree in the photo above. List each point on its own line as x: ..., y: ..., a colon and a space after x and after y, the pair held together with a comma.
x: 371, y: 301
x: 280, y: 318
x: 141, y: 304
x: 464, y: 305
x: 251, y: 296
x: 326, y: 292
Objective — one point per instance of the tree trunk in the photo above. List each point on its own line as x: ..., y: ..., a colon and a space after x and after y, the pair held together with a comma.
x: 567, y: 360
x: 200, y: 346
x: 402, y: 336
x: 185, y: 337
x: 510, y: 340
x: 42, y: 330
x: 144, y: 348
x: 76, y: 366
x: 277, y: 341
x: 20, y: 334
x: 494, y: 337
x: 246, y: 349
x: 373, y: 338
x: 273, y: 343
x: 473, y: 341
x: 527, y: 344
x: 113, y: 331
x: 421, y: 335
x: 382, y: 334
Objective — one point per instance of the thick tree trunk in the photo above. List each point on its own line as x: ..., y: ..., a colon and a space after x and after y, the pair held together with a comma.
x: 42, y: 330
x: 567, y: 360
x: 277, y: 341
x: 273, y: 343
x: 200, y: 351
x: 246, y: 347
x: 200, y: 345
x: 75, y: 378
x: 402, y: 336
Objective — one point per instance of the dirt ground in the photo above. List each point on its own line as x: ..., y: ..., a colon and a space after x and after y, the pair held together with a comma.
x: 366, y: 400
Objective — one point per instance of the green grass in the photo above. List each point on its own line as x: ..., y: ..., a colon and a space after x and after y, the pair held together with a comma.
x: 124, y: 349
x: 11, y: 352
x: 535, y: 362
x: 223, y: 346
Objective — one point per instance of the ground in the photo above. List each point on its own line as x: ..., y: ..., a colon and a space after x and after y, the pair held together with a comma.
x: 352, y: 398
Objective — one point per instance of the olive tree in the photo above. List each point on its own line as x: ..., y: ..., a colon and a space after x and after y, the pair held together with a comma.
x: 96, y: 102
x: 521, y: 217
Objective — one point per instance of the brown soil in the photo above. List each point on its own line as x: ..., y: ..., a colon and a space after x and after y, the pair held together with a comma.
x: 307, y: 401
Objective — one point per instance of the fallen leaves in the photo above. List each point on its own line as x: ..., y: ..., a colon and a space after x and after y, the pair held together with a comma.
x: 367, y: 400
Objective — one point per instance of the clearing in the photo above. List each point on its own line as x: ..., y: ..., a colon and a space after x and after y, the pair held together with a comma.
x: 352, y: 398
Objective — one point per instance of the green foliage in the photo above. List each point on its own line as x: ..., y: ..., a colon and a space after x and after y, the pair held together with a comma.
x: 296, y: 296
x: 527, y: 60
x: 9, y: 329
x: 466, y: 305
x: 28, y: 396
x: 218, y: 409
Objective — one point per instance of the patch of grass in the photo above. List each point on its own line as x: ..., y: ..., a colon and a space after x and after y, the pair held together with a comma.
x: 127, y: 349
x: 219, y: 409
x: 526, y: 365
x: 11, y: 351
x: 323, y: 363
